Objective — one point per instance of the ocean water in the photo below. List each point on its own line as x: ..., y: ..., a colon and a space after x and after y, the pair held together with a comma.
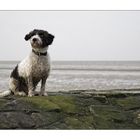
x: 73, y: 75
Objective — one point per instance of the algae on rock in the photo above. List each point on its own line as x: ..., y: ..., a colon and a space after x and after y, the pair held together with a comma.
x: 72, y: 110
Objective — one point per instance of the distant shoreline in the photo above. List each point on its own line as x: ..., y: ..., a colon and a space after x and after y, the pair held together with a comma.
x: 79, y: 61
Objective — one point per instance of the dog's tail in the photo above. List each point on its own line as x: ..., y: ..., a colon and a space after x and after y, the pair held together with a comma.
x: 5, y: 93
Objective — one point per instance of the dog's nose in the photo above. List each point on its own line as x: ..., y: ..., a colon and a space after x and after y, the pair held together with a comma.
x: 34, y: 39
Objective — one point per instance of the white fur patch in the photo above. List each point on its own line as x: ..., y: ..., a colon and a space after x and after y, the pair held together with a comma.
x: 34, y: 65
x: 25, y: 67
x: 5, y: 93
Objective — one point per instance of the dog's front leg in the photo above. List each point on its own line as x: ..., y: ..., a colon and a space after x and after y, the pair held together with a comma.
x: 43, y: 83
x: 30, y: 86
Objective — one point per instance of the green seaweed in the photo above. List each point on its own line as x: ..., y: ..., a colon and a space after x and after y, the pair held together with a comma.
x: 129, y: 103
x: 59, y: 103
x: 42, y: 103
x: 66, y: 103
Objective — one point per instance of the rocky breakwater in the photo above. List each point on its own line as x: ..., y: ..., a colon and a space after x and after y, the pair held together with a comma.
x: 80, y: 109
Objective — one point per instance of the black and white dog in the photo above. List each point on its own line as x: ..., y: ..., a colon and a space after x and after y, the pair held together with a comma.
x: 34, y: 68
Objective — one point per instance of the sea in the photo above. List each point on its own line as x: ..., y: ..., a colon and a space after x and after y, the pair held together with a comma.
x: 84, y: 75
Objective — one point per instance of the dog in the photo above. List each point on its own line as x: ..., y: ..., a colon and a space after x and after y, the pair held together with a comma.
x: 34, y: 68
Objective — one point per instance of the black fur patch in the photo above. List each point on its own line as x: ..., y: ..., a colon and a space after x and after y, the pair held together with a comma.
x: 22, y: 85
x: 49, y: 39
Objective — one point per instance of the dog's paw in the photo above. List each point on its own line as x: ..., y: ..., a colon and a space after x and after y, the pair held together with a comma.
x: 30, y: 94
x: 20, y: 93
x: 45, y: 94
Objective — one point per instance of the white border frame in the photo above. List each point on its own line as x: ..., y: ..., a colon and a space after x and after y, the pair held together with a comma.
x: 70, y: 5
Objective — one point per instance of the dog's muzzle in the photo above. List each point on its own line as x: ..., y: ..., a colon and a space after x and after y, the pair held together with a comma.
x: 36, y: 42
x: 35, y: 39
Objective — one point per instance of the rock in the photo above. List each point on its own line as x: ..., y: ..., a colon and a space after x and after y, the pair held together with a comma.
x: 72, y: 110
x: 106, y: 117
x: 79, y: 122
x: 101, y: 98
x: 136, y: 119
x: 116, y: 95
x: 15, y: 120
x: 129, y: 103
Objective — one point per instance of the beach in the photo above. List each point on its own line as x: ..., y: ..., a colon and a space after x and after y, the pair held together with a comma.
x: 83, y: 75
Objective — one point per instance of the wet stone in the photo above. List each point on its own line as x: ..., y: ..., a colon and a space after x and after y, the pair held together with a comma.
x: 72, y: 110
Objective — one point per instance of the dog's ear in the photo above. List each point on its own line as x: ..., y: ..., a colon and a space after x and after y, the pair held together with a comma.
x: 50, y: 39
x: 28, y: 36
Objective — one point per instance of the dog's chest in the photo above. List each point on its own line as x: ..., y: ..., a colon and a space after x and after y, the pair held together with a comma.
x: 40, y: 67
x: 35, y: 66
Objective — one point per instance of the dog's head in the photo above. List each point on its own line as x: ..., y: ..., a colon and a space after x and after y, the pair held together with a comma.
x: 39, y: 38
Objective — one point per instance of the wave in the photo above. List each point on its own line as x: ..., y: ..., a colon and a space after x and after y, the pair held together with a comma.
x: 97, y: 69
x: 86, y: 69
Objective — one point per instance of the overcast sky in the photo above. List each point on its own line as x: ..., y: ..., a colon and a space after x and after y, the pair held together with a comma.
x: 79, y: 35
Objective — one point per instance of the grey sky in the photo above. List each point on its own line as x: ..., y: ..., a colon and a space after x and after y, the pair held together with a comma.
x: 79, y: 35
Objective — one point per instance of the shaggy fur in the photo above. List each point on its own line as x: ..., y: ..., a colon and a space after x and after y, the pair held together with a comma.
x: 34, y: 68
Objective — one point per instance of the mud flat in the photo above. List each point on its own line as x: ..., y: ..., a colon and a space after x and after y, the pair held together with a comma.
x: 75, y: 109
